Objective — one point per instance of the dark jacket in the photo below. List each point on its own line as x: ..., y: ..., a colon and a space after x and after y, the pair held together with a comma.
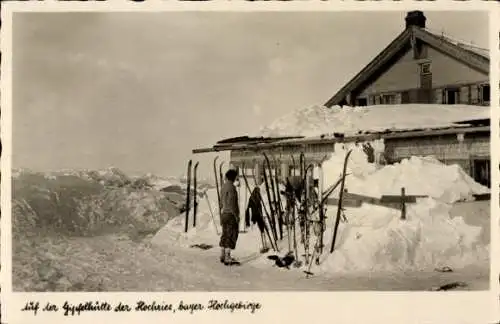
x: 254, y: 207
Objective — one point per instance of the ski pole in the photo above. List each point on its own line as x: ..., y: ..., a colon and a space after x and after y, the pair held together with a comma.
x: 217, y: 182
x: 211, y: 213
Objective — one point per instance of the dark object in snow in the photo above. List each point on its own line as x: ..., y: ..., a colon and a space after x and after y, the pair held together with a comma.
x: 283, y: 262
x: 444, y: 269
x: 452, y: 285
x: 173, y: 188
x: 202, y: 246
x: 338, y: 135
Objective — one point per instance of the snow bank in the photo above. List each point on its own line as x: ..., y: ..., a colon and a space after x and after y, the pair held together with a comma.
x: 375, y: 239
x: 317, y: 120
x: 418, y: 175
x: 87, y: 203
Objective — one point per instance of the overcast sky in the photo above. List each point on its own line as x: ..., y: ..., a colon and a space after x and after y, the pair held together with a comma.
x: 139, y: 91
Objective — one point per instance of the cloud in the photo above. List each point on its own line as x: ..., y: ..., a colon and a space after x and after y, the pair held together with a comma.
x: 276, y: 66
x: 257, y: 110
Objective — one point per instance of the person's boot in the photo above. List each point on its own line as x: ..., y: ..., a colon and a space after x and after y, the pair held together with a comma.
x: 229, y: 259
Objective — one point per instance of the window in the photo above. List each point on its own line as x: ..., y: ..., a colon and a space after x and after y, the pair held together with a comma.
x: 361, y: 102
x: 425, y: 68
x: 485, y: 93
x: 451, y: 96
x: 405, y: 97
x: 388, y: 99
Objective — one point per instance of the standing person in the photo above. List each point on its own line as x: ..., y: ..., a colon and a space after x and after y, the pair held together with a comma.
x: 230, y: 218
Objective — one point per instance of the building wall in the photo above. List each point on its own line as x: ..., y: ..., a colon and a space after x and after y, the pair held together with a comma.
x: 447, y: 149
x: 446, y: 72
x: 404, y: 74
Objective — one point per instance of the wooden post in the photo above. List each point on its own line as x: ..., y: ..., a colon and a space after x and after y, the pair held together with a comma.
x: 403, y: 204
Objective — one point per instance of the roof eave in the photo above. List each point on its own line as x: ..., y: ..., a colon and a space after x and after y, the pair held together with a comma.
x: 393, y: 48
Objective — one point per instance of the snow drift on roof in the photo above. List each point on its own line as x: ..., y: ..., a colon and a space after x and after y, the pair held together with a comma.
x: 319, y: 120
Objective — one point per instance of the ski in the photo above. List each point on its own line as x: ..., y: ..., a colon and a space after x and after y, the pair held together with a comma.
x: 221, y: 175
x: 278, y: 194
x: 268, y: 214
x: 271, y: 205
x: 322, y: 211
x: 307, y: 200
x: 217, y: 183
x: 188, y: 195
x: 273, y: 190
x: 195, y: 193
x: 341, y: 195
x: 297, y: 263
x: 302, y: 164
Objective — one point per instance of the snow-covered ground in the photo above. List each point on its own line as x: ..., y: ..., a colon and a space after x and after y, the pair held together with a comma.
x: 318, y: 120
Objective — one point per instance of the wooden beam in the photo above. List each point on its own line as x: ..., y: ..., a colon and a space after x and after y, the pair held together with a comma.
x: 397, y: 198
x: 301, y: 144
x: 203, y: 150
x: 396, y: 45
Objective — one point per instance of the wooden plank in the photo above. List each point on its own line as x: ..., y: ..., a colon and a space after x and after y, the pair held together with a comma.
x: 353, y: 203
x: 345, y: 202
x: 395, y: 199
x: 363, y: 198
x: 403, y: 205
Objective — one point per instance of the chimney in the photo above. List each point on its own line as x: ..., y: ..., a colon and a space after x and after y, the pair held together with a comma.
x: 415, y: 18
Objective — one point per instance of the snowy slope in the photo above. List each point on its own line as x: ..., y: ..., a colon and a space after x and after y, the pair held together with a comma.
x: 316, y: 120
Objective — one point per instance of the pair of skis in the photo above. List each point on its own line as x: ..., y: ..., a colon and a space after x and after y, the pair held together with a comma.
x: 217, y: 185
x: 191, y: 170
x: 272, y: 240
x: 322, y: 201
